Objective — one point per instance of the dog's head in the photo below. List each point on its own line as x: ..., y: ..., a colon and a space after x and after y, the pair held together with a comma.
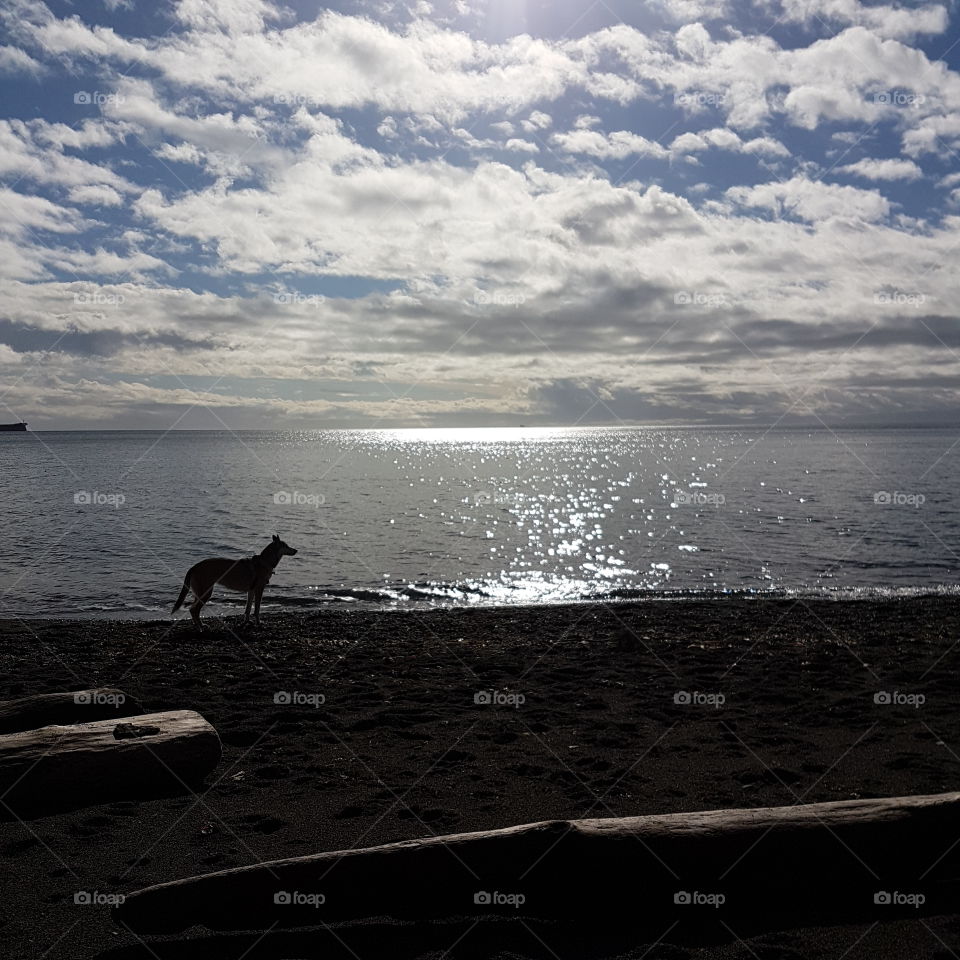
x: 285, y: 549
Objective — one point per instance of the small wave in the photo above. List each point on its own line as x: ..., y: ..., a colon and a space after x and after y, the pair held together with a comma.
x: 496, y: 593
x: 119, y: 607
x: 499, y: 593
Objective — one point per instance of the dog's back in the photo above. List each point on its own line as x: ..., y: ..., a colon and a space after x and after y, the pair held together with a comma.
x: 239, y: 575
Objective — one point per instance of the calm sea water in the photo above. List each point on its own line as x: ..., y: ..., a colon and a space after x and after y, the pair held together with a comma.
x: 107, y: 523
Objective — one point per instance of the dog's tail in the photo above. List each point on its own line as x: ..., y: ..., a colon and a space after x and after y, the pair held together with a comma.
x: 183, y: 594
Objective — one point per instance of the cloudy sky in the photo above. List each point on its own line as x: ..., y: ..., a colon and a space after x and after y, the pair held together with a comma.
x: 377, y: 213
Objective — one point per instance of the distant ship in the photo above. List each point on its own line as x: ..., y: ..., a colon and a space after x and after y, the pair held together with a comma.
x: 20, y: 427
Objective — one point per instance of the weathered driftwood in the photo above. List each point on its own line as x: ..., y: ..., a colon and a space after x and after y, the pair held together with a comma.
x: 76, y: 706
x: 60, y: 767
x: 774, y: 867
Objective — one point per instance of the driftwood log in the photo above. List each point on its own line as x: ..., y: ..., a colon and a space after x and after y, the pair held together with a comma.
x: 76, y: 706
x: 60, y: 768
x: 706, y: 876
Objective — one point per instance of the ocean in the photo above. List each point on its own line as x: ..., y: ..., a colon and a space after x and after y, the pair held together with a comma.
x: 105, y: 524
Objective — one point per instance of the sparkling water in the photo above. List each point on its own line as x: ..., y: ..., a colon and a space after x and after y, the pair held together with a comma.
x: 107, y: 523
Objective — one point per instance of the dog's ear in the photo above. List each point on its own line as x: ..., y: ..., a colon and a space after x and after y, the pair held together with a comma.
x: 275, y: 537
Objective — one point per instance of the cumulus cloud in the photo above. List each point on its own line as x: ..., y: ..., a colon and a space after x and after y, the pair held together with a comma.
x: 616, y: 145
x: 812, y: 200
x: 15, y: 60
x: 884, y: 20
x: 95, y: 195
x: 34, y: 151
x: 538, y: 120
x: 523, y: 146
x: 888, y: 169
x: 722, y: 138
x: 765, y: 147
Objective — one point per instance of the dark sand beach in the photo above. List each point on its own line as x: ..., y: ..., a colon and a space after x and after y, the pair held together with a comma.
x: 399, y: 749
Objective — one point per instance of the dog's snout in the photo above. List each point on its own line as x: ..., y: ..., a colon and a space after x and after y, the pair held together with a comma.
x: 293, y: 552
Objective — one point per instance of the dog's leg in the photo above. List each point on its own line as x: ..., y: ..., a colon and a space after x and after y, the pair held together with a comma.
x: 256, y: 613
x: 246, y: 613
x: 197, y: 606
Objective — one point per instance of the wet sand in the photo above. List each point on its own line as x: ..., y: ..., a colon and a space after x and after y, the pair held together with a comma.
x: 347, y: 728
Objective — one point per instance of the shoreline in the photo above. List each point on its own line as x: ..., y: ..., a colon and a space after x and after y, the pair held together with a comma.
x: 399, y: 747
x: 304, y: 608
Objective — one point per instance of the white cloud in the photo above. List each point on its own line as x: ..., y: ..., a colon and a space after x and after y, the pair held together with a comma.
x: 813, y: 201
x: 33, y: 150
x: 388, y: 128
x: 688, y: 143
x: 690, y: 11
x: 725, y: 139
x: 616, y: 145
x: 180, y: 153
x: 766, y: 147
x: 719, y: 137
x: 234, y: 16
x: 339, y: 61
x: 521, y: 146
x: 95, y: 195
x: 25, y: 213
x: 247, y: 53
x: 885, y: 21
x: 15, y: 60
x: 90, y: 133
x: 538, y: 120
x: 244, y: 138
x: 934, y: 134
x: 100, y: 262
x: 887, y: 169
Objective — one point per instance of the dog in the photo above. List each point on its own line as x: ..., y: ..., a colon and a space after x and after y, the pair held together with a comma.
x: 249, y: 576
